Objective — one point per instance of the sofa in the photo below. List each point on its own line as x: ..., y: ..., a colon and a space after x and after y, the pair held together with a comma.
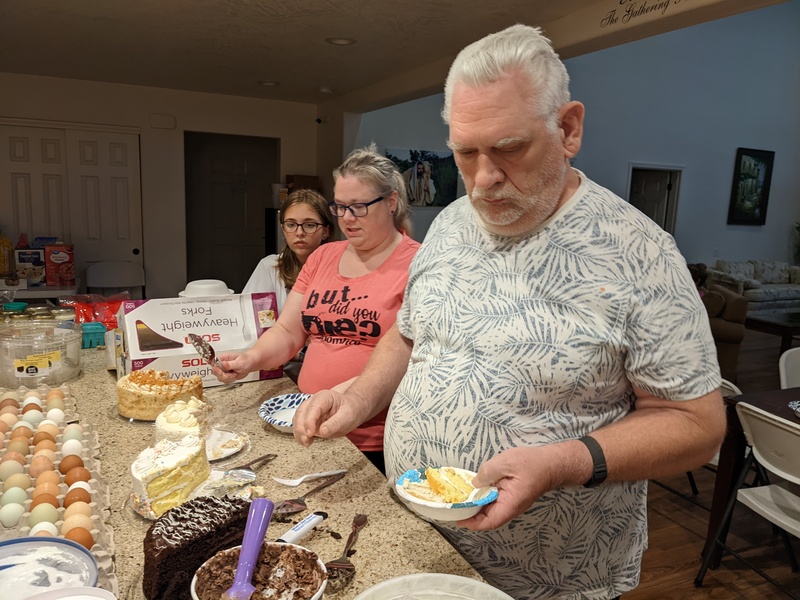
x: 767, y: 285
x: 727, y: 312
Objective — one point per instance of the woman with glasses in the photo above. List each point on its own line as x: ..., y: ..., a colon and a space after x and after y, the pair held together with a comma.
x: 306, y: 222
x: 348, y: 292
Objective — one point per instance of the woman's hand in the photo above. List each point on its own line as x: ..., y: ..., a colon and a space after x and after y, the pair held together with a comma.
x: 327, y: 414
x: 235, y: 366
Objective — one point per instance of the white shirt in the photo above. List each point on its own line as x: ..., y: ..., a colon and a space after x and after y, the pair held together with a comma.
x: 265, y: 278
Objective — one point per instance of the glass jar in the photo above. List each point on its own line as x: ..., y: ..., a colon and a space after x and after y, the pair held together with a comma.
x: 63, y: 313
x: 37, y: 309
x: 18, y: 316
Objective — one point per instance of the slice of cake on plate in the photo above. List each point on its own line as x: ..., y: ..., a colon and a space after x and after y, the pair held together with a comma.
x: 166, y: 474
x: 146, y: 393
x: 185, y: 537
x: 183, y: 418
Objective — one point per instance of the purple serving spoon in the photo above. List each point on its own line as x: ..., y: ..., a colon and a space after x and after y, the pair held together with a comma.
x: 254, y: 532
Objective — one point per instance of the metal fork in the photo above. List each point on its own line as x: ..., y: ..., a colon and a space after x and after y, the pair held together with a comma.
x: 342, y: 567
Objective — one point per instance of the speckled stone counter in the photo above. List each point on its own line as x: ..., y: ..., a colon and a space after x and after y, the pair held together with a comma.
x: 394, y: 542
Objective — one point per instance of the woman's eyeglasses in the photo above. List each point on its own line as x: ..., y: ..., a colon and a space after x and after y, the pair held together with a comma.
x: 358, y: 209
x: 308, y: 227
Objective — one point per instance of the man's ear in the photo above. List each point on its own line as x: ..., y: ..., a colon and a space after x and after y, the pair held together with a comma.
x: 570, y: 120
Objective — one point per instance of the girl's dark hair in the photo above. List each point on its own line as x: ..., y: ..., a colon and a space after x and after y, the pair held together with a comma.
x: 288, y: 264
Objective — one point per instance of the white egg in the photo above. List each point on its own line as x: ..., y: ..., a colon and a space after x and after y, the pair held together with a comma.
x: 71, y: 447
x: 44, y: 526
x: 55, y: 414
x: 48, y: 422
x: 10, y: 514
x: 80, y: 484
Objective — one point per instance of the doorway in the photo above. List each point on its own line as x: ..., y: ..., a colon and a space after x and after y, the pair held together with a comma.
x: 228, y: 188
x: 653, y: 189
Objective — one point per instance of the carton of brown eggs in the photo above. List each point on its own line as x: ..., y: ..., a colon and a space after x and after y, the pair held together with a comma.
x: 51, y: 484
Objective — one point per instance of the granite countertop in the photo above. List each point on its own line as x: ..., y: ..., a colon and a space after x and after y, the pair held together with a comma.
x: 395, y: 542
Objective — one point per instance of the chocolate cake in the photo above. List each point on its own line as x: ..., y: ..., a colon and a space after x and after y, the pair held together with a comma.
x: 184, y: 537
x: 282, y: 572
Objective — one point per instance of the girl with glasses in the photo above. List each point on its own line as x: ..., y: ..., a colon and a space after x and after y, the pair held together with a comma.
x: 307, y: 223
x: 347, y: 294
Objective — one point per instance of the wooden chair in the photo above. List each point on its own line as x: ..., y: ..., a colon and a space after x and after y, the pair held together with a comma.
x: 775, y: 444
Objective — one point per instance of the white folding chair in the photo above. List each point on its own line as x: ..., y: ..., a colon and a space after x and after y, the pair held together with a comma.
x: 789, y: 368
x: 775, y: 444
x: 114, y: 276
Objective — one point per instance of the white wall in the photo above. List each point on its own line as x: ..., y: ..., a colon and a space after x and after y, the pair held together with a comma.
x: 689, y: 97
x: 162, y: 168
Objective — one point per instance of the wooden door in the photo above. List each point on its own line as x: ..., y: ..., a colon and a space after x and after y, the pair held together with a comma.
x: 228, y: 186
x: 655, y: 193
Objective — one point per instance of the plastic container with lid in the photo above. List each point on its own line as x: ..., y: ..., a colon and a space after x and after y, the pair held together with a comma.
x: 37, y: 352
x: 15, y: 306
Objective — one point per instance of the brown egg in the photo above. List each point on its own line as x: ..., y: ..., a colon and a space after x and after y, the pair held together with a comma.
x: 44, y: 436
x: 22, y: 431
x: 19, y: 445
x: 8, y: 419
x: 14, y: 456
x: 69, y: 462
x: 43, y: 533
x: 48, y: 453
x: 9, y: 402
x: 3, y: 427
x: 44, y: 444
x: 81, y: 536
x: 77, y: 520
x: 55, y: 402
x: 54, y: 393
x: 20, y: 480
x: 78, y: 508
x: 77, y: 495
x: 46, y: 488
x: 48, y: 477
x: 39, y: 465
x: 77, y: 474
x: 32, y: 393
x: 50, y: 428
x: 9, y: 410
x: 31, y: 406
x: 46, y: 498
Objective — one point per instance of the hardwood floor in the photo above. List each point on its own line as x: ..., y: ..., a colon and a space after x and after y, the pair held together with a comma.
x: 677, y: 528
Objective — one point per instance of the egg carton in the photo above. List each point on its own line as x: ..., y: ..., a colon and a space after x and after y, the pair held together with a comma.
x: 14, y: 525
x: 70, y: 408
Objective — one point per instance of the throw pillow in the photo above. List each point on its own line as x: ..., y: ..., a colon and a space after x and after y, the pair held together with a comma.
x: 742, y: 270
x: 768, y: 271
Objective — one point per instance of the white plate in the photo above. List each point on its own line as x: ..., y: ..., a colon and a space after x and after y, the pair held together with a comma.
x: 434, y: 586
x: 78, y: 593
x: 279, y: 411
x: 222, y: 443
x: 442, y: 511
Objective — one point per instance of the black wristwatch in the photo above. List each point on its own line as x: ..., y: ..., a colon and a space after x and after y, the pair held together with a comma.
x: 599, y: 470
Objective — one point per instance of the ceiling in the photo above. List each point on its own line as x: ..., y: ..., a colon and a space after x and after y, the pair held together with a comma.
x: 227, y: 46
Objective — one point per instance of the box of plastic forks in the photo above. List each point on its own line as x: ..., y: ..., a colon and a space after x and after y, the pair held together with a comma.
x: 155, y: 333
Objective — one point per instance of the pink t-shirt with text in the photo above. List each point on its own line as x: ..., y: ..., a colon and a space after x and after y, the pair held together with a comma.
x: 345, y: 318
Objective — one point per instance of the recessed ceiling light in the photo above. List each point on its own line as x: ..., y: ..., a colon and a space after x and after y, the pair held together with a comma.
x: 267, y: 83
x: 325, y: 90
x: 340, y: 41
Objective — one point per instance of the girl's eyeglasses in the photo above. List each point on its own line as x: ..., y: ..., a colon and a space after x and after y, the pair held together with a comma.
x: 308, y: 226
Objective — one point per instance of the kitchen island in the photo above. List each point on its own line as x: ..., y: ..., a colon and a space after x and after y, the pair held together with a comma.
x: 394, y: 542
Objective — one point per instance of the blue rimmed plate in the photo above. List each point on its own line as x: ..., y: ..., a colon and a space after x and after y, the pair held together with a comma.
x: 795, y: 406
x: 38, y: 560
x: 442, y: 511
x: 279, y: 411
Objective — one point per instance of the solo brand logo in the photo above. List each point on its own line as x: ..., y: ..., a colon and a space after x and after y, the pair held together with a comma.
x: 209, y: 337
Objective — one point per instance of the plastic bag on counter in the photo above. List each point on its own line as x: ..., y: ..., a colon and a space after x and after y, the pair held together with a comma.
x: 94, y: 308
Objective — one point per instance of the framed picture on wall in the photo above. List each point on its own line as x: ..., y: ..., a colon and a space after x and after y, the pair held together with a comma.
x: 431, y: 177
x: 750, y: 189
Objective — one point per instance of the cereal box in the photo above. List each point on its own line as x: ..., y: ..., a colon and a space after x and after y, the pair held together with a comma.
x: 59, y: 264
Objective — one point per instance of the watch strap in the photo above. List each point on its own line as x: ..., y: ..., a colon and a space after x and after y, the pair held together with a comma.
x: 599, y: 468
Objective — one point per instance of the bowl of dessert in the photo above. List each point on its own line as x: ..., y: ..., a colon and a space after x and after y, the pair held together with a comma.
x: 282, y: 571
x: 443, y: 493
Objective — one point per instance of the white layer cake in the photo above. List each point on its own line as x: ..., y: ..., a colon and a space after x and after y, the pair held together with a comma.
x: 166, y: 474
x: 184, y: 418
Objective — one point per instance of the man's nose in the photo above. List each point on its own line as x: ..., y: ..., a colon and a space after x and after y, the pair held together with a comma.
x: 487, y: 173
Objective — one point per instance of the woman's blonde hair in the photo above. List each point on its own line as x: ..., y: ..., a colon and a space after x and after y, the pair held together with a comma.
x: 368, y: 166
x: 288, y: 264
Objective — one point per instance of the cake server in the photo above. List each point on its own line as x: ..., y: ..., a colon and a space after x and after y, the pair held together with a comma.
x: 205, y: 350
x: 254, y: 531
